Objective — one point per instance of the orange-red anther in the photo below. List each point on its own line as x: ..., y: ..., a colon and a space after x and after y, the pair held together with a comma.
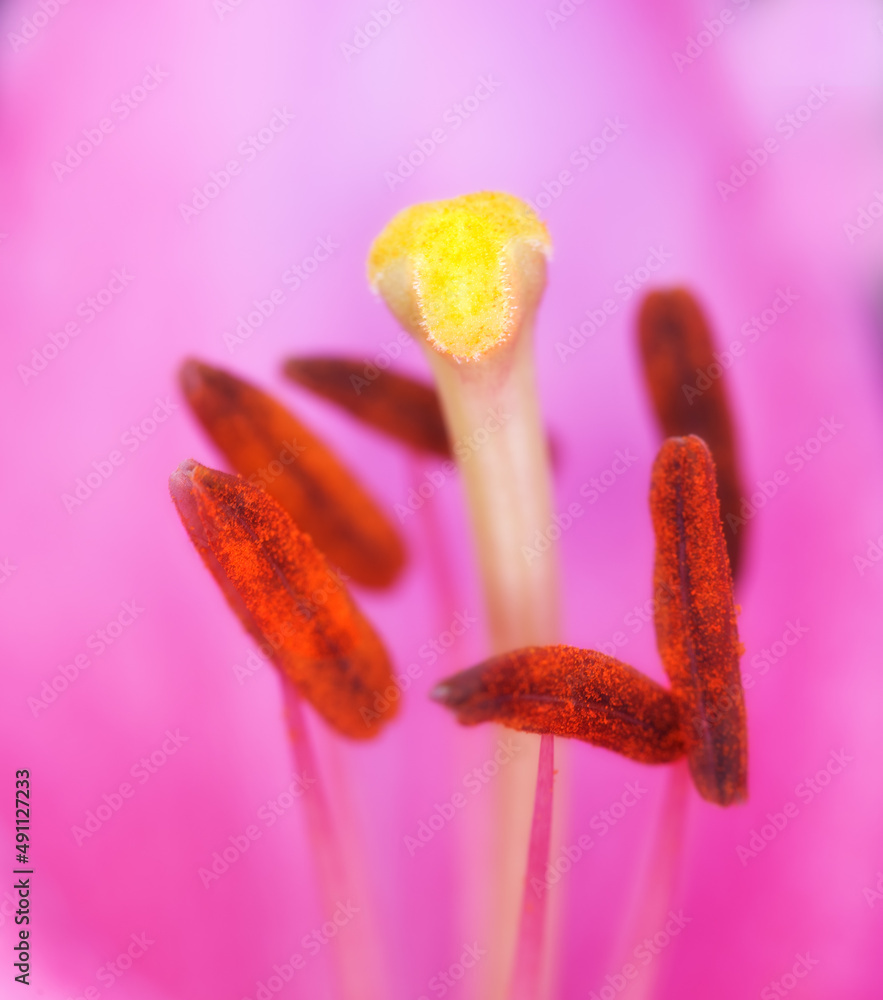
x: 400, y: 406
x: 696, y: 625
x: 287, y: 597
x: 276, y: 452
x: 686, y: 385
x: 571, y: 692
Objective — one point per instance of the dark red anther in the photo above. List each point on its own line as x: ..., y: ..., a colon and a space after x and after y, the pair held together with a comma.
x: 571, y: 692
x: 398, y: 405
x: 686, y: 385
x: 274, y: 451
x: 696, y: 625
x: 284, y: 593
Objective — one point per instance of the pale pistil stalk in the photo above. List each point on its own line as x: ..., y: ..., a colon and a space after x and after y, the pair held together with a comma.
x: 493, y: 416
x: 465, y: 277
x: 493, y: 413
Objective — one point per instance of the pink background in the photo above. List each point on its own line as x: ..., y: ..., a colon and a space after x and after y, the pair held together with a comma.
x: 228, y: 68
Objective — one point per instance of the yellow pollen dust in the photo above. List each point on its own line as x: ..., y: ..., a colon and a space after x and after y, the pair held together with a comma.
x: 459, y: 254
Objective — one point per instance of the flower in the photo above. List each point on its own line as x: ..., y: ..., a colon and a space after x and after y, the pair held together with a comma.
x: 441, y: 101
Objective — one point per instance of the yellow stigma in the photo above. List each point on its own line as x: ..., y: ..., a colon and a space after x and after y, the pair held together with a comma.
x: 470, y: 262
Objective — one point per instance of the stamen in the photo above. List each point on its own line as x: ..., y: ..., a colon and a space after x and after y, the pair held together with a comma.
x: 577, y: 693
x: 273, y: 450
x: 677, y: 351
x: 285, y: 594
x: 402, y: 407
x: 335, y: 845
x: 696, y: 626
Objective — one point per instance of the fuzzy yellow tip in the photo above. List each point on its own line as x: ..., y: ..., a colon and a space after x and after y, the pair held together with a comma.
x: 470, y: 263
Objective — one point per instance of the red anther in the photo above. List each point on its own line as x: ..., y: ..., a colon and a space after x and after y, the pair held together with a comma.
x: 571, y: 692
x: 686, y: 385
x: 287, y: 597
x: 696, y: 626
x: 274, y: 451
x: 400, y: 406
